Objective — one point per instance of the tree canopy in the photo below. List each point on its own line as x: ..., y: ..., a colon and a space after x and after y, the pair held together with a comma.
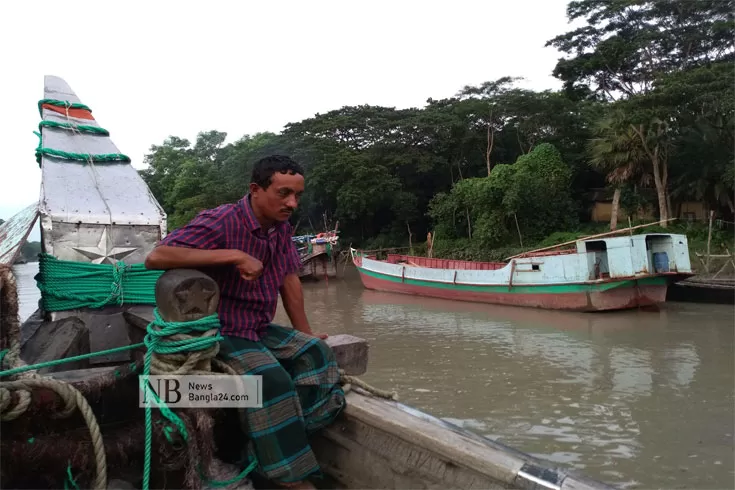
x: 646, y: 103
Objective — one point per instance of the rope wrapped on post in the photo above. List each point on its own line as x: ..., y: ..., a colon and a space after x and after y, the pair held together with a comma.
x: 174, y: 349
x: 68, y: 285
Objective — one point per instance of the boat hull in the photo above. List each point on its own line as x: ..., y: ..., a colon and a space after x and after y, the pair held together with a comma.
x: 318, y: 267
x: 600, y: 296
x: 381, y: 444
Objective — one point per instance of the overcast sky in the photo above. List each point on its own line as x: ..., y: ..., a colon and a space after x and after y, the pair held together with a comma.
x: 153, y: 69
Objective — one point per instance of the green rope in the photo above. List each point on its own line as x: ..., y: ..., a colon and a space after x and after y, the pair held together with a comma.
x: 70, y: 479
x: 82, y: 157
x: 235, y: 479
x: 56, y: 362
x: 157, y: 343
x: 60, y: 103
x: 68, y: 285
x: 81, y: 127
x: 2, y: 357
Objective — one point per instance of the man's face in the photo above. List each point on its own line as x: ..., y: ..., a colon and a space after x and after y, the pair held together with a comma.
x: 281, y: 198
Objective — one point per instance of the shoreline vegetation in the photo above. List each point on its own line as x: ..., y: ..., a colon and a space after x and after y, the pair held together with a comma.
x: 642, y: 129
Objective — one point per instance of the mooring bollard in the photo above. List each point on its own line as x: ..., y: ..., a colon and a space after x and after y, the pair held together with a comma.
x: 184, y: 295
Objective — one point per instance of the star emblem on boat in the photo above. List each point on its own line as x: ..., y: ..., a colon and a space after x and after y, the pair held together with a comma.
x: 104, y: 251
x: 196, y: 299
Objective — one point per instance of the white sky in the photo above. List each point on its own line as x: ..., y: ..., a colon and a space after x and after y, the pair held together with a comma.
x: 158, y: 68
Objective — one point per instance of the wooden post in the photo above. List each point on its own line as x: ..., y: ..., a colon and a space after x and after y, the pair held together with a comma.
x: 184, y: 295
x: 351, y: 353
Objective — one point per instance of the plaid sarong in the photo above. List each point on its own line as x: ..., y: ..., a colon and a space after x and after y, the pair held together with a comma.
x: 301, y: 394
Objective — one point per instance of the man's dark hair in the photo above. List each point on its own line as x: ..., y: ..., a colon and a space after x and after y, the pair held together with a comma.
x: 266, y: 167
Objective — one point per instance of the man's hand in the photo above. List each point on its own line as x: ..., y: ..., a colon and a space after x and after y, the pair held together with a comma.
x: 320, y: 335
x: 250, y: 268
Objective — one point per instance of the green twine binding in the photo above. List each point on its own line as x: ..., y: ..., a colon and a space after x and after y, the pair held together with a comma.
x: 81, y: 127
x: 61, y: 103
x: 56, y: 362
x: 68, y: 285
x: 81, y: 157
x: 69, y: 480
x: 235, y: 479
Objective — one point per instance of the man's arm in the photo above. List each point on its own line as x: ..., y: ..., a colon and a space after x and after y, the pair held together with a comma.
x: 201, y: 244
x: 293, y: 302
x: 291, y: 291
x: 174, y: 257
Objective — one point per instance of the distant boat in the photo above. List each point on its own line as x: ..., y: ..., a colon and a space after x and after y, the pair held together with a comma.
x: 599, y: 274
x: 318, y: 255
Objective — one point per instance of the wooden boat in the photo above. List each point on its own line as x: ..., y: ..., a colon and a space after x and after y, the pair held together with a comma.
x: 600, y: 273
x: 318, y: 255
x: 709, y: 290
x: 78, y: 423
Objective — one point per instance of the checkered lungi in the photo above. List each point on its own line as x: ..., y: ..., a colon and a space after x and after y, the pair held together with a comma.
x: 301, y: 394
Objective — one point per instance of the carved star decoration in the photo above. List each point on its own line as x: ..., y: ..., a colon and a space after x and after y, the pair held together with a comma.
x: 104, y: 251
x: 195, y: 300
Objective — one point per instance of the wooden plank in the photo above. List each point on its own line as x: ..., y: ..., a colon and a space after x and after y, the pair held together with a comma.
x: 351, y: 353
x: 78, y: 375
x: 56, y: 340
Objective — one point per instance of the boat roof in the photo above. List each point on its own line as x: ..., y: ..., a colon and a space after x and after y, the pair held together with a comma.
x: 74, y: 191
x: 15, y: 231
x: 641, y: 236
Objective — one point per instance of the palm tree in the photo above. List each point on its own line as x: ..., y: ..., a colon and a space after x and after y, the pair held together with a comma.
x: 619, y: 154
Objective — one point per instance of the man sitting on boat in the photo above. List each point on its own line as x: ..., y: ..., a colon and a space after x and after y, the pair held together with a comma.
x: 247, y: 248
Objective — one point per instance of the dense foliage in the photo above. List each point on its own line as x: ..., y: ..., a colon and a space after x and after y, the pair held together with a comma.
x: 647, y: 104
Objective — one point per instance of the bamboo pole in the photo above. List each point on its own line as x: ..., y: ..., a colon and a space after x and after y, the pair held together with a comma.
x: 520, y: 238
x: 709, y: 240
x: 615, y: 232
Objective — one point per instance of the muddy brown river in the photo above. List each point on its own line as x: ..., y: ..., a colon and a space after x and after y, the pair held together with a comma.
x: 636, y: 399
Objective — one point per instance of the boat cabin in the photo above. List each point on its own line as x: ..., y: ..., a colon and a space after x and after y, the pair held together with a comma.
x: 635, y: 255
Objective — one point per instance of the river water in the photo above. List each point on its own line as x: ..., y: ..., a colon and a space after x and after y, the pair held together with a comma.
x: 636, y: 399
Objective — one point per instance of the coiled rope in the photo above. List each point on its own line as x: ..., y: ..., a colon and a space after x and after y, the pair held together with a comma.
x: 68, y: 285
x: 29, y: 380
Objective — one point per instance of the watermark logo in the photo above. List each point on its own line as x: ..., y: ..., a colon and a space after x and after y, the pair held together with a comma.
x: 201, y: 391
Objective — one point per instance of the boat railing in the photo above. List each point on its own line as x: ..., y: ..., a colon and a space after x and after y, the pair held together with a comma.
x: 434, y: 263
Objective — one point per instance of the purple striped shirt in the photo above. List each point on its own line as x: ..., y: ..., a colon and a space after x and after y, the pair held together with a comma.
x: 245, y: 307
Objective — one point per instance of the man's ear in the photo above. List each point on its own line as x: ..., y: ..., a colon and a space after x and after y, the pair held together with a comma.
x: 253, y: 187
